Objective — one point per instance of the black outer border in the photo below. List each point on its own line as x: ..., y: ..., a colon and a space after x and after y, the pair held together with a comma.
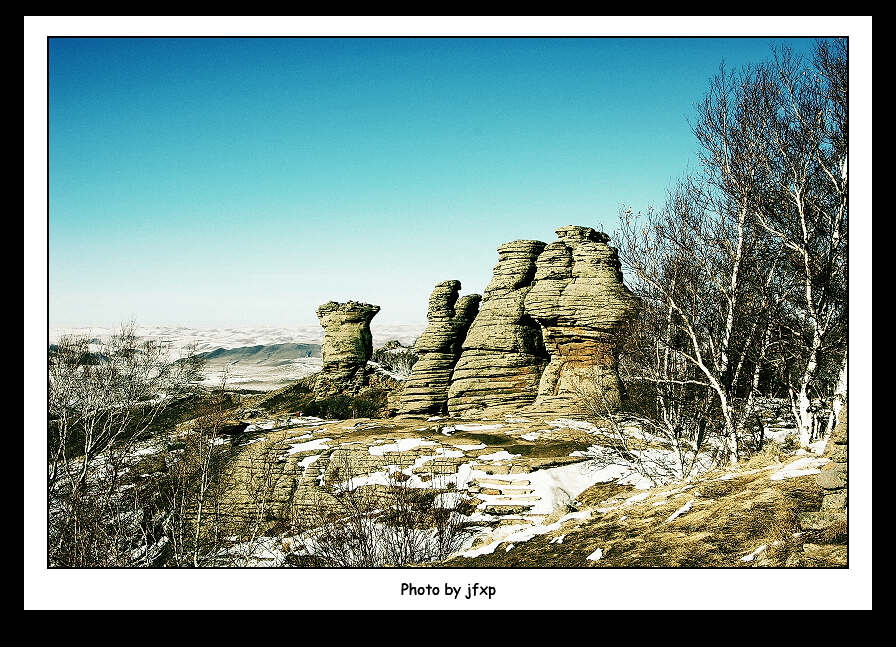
x: 440, y: 568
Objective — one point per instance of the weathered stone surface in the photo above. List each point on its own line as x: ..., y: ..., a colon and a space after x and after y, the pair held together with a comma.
x: 579, y: 300
x: 347, y: 345
x: 838, y: 454
x: 503, y: 354
x: 825, y: 555
x: 832, y: 479
x: 438, y: 349
x: 548, y: 328
x: 834, y: 501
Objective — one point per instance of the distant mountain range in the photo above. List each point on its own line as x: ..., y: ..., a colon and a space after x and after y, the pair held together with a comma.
x: 262, y: 355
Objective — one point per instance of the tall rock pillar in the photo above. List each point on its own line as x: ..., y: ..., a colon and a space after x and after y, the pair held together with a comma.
x: 579, y: 300
x: 503, y: 354
x: 438, y: 349
x: 347, y: 344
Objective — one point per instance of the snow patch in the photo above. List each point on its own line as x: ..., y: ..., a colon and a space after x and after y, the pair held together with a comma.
x: 799, y: 467
x: 312, y: 445
x: 682, y: 510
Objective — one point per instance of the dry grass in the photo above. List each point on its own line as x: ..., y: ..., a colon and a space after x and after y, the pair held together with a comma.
x: 728, y: 520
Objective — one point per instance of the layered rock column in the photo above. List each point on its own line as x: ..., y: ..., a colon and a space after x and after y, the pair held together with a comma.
x: 438, y: 349
x: 503, y: 354
x: 579, y: 300
x: 347, y: 344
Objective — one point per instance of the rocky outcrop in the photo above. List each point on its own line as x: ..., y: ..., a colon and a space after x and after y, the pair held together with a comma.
x: 579, y: 300
x: 438, y: 348
x: 546, y: 335
x: 347, y: 345
x: 828, y: 526
x: 547, y: 332
x: 503, y: 354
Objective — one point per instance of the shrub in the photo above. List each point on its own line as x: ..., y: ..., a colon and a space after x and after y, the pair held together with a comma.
x: 399, y: 360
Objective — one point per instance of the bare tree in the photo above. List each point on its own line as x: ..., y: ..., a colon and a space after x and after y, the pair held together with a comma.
x: 104, y: 397
x: 774, y: 141
x: 695, y: 265
x: 743, y: 272
x: 350, y: 523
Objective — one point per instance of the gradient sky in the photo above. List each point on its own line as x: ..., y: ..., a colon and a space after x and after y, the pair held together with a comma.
x: 209, y: 182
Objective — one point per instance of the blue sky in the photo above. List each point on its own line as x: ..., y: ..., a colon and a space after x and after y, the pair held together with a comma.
x: 208, y: 182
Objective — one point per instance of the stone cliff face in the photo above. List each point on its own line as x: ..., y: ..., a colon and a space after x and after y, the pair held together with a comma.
x: 579, y: 300
x: 438, y: 348
x: 503, y: 354
x: 347, y: 345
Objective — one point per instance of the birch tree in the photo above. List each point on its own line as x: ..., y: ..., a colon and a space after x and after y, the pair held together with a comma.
x: 694, y: 265
x: 774, y: 141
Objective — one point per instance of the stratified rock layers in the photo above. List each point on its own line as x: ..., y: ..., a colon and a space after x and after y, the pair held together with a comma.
x: 579, y: 300
x: 438, y: 348
x: 503, y: 354
x: 347, y: 345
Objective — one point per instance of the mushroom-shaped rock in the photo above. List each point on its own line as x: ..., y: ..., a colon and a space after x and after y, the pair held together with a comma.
x: 347, y: 344
x: 579, y: 300
x: 438, y: 349
x: 503, y: 354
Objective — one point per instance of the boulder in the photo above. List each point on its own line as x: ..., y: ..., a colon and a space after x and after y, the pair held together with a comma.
x: 438, y: 349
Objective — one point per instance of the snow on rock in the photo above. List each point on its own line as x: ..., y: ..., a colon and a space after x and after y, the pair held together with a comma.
x: 800, y: 467
x: 596, y: 555
x: 477, y: 427
x: 568, y: 423
x: 754, y: 554
x: 818, y: 446
x: 311, y: 445
x: 499, y: 456
x: 519, y: 534
x: 401, y: 445
x: 308, y: 460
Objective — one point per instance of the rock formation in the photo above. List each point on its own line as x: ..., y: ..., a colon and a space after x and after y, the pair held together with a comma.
x: 547, y: 331
x: 438, y: 348
x: 579, y: 300
x: 828, y: 526
x: 546, y: 335
x: 347, y: 345
x: 503, y: 354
